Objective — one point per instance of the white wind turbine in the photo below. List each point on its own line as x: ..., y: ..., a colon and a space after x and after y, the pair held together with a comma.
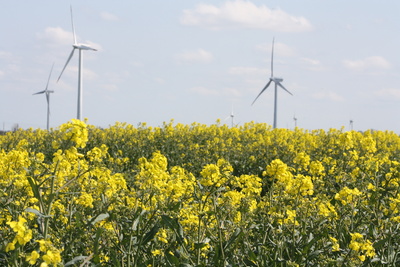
x: 47, y: 93
x: 232, y: 116
x: 277, y: 82
x: 80, y: 47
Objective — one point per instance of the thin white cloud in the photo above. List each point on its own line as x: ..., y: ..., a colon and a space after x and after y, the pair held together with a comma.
x: 136, y: 64
x: 312, y: 64
x: 5, y: 55
x: 243, y: 14
x: 389, y: 93
x: 196, y: 56
x: 159, y: 80
x: 280, y: 49
x: 13, y: 68
x: 110, y: 87
x: 329, y: 95
x: 369, y: 63
x: 247, y: 71
x: 55, y: 36
x: 72, y: 72
x: 310, y: 61
x: 232, y: 92
x: 108, y: 16
x: 204, y: 91
x: 89, y: 74
x: 11, y: 63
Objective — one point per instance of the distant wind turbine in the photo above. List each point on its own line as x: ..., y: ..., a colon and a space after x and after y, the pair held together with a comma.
x: 295, y: 121
x: 47, y: 93
x: 232, y: 116
x: 277, y: 82
x: 80, y: 47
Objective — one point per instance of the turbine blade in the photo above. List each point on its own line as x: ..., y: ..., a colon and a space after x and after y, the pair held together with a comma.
x: 262, y: 91
x: 272, y: 58
x: 73, y: 28
x: 38, y: 93
x: 69, y: 58
x: 47, y: 85
x: 281, y: 86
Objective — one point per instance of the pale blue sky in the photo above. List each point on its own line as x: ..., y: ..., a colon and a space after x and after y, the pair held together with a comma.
x: 191, y: 61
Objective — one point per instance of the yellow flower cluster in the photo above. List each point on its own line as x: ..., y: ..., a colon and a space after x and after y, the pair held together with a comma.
x: 358, y: 244
x: 51, y: 255
x: 75, y: 131
x: 158, y: 187
x: 22, y: 233
x: 347, y: 195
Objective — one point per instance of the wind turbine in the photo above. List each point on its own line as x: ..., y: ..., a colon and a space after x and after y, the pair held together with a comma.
x: 232, y: 116
x: 277, y: 81
x: 47, y: 93
x: 80, y: 47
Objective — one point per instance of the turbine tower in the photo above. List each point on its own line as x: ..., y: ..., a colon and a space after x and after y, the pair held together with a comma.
x: 47, y: 93
x: 232, y: 116
x: 80, y: 47
x: 277, y: 81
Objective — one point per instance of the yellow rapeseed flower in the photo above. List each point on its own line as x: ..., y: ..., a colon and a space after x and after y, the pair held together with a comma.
x: 33, y: 257
x: 23, y: 234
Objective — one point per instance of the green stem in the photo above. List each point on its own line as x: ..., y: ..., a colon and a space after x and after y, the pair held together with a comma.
x: 48, y: 210
x: 198, y: 237
x: 219, y: 231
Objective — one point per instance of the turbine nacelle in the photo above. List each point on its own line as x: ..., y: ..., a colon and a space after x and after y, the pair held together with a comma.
x: 83, y: 47
x: 44, y: 92
x: 276, y: 79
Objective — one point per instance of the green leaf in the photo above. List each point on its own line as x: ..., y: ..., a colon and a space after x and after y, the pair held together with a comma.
x: 174, y: 225
x: 150, y: 234
x: 376, y: 260
x: 249, y: 263
x: 99, y: 231
x: 100, y: 218
x: 310, y: 242
x: 135, y: 223
x: 172, y: 259
x: 75, y: 260
x: 378, y: 245
x: 35, y: 188
x: 238, y: 232
x: 37, y: 213
x: 137, y: 220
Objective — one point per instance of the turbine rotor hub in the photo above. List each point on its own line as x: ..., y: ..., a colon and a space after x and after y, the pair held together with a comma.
x: 276, y: 80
